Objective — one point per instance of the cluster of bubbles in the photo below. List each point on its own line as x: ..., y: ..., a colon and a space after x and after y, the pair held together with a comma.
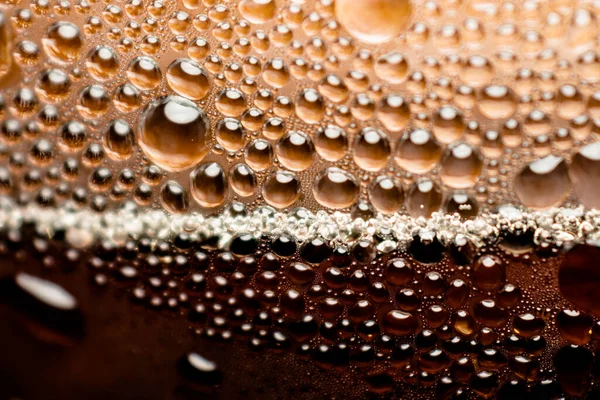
x: 364, y: 106
x: 190, y: 104
x: 453, y: 321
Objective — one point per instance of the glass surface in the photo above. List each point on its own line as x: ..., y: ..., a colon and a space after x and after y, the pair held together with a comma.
x: 299, y: 199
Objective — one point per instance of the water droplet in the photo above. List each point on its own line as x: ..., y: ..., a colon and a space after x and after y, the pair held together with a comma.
x: 187, y: 78
x: 374, y: 21
x: 208, y: 184
x: 335, y: 188
x: 174, y: 133
x: 543, y: 183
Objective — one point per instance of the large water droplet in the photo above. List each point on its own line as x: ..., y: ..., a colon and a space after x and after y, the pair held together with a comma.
x: 585, y: 174
x: 174, y: 133
x: 208, y: 184
x: 374, y: 21
x: 543, y: 183
x: 335, y: 188
x: 51, y: 313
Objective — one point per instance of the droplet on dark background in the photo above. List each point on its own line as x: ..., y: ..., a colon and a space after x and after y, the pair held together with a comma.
x: 427, y: 252
x: 579, y: 278
x: 198, y: 370
x: 49, y: 311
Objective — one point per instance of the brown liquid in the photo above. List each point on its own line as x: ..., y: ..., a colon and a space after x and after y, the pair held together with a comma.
x: 365, y: 106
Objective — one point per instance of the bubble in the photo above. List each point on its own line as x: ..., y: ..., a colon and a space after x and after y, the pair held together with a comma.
x: 593, y: 105
x: 393, y: 112
x: 357, y: 81
x: 263, y: 99
x: 48, y: 117
x: 102, y: 63
x: 371, y: 149
x: 488, y: 273
x: 281, y: 189
x: 392, y: 68
x: 476, y: 71
x: 144, y: 73
x: 230, y: 134
x: 119, y: 140
x: 276, y: 73
x: 53, y: 85
x: 63, y: 42
x: 460, y: 166
x: 100, y: 179
x: 583, y: 29
x: 274, y: 128
x: 386, y: 194
x: 497, y: 102
x: 127, y: 98
x: 588, y: 66
x: 528, y: 325
x: 310, y: 106
x: 399, y: 323
x: 362, y: 107
x: 423, y: 198
x: 51, y: 313
x: 259, y: 155
x: 73, y: 135
x: 174, y: 133
x: 208, y: 185
x: 5, y: 45
x: 543, y: 183
x: 295, y: 151
x: 26, y: 53
x: 281, y: 35
x: 333, y: 88
x: 462, y: 204
x: 283, y: 107
x: 257, y: 11
x: 578, y: 278
x: 570, y: 103
x: 448, y: 124
x: 335, y: 188
x: 418, y: 152
x: 231, y: 102
x: 41, y: 152
x: 24, y: 102
x: 93, y: 155
x: 581, y: 126
x: 315, y: 49
x: 188, y: 79
x: 260, y: 41
x: 487, y: 312
x: 93, y: 101
x: 574, y: 326
x: 331, y: 143
x: 198, y: 370
x: 199, y: 48
x: 242, y: 180
x: 174, y: 197
x: 374, y: 21
x: 491, y: 145
x: 584, y: 170
x: 253, y: 119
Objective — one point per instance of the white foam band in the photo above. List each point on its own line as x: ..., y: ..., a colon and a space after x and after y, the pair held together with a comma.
x: 559, y: 226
